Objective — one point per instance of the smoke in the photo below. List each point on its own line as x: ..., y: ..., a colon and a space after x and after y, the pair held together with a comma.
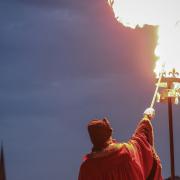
x: 162, y: 13
x: 152, y: 12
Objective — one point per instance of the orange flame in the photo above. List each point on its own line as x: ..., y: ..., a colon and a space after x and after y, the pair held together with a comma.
x: 162, y: 13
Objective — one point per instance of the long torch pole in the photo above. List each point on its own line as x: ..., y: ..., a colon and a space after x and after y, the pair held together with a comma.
x: 156, y: 90
x: 170, y: 113
x: 171, y: 136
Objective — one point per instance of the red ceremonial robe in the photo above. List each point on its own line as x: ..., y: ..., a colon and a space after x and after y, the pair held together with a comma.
x: 134, y: 160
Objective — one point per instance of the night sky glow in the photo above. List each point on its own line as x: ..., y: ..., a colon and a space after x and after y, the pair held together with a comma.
x: 63, y: 63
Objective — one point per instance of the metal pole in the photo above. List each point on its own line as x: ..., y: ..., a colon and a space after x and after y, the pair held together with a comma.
x: 171, y: 137
x: 156, y: 91
x: 157, y: 86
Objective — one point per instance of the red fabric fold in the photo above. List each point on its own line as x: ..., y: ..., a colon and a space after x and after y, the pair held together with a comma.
x: 125, y: 161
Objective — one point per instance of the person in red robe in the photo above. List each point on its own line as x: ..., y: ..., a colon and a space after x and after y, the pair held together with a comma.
x: 110, y: 160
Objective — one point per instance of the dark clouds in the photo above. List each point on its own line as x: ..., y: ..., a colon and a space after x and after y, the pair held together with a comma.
x: 78, y: 4
x: 49, y: 35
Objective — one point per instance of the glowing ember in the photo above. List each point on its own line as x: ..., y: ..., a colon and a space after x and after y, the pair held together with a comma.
x: 162, y: 13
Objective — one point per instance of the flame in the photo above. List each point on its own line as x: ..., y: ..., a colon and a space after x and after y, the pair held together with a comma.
x: 162, y: 13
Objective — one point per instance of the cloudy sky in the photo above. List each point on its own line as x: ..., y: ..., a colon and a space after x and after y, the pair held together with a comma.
x: 62, y: 63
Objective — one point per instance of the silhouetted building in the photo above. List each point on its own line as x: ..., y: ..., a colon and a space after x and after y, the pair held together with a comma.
x: 2, y: 165
x: 176, y: 178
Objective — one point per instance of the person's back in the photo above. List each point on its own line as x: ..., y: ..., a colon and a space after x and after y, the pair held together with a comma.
x: 134, y: 160
x: 114, y: 164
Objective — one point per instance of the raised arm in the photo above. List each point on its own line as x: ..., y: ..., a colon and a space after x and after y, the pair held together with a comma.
x: 142, y: 150
x: 144, y: 130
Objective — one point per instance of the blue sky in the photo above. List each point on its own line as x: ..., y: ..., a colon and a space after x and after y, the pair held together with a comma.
x: 61, y: 64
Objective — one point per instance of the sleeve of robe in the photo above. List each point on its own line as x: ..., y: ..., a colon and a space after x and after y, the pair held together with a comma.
x: 139, y: 154
x: 142, y: 143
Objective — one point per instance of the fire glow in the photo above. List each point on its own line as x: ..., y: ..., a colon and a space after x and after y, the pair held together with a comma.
x: 162, y: 13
